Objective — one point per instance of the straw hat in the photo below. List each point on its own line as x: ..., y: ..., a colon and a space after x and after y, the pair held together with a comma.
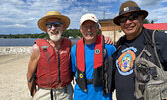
x: 53, y: 14
x: 129, y: 6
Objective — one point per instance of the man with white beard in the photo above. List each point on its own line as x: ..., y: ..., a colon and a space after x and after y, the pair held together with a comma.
x: 50, y: 61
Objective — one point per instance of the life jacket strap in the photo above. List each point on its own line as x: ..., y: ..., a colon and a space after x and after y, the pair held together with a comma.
x: 88, y: 81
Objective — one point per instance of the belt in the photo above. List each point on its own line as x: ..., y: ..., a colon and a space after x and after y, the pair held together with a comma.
x: 49, y: 88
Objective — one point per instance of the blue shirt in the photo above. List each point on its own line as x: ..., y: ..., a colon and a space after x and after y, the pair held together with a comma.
x: 93, y: 93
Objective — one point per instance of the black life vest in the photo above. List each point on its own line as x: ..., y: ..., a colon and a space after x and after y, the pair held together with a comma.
x: 98, y: 63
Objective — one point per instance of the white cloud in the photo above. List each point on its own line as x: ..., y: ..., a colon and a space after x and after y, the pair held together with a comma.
x: 15, y: 26
x: 147, y: 2
x: 22, y: 15
x: 158, y: 15
x: 106, y: 0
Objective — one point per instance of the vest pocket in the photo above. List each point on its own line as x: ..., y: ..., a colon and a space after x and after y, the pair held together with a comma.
x: 164, y: 90
x: 156, y: 90
x: 142, y: 72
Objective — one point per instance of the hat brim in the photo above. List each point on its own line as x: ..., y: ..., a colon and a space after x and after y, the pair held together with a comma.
x: 42, y: 21
x: 116, y: 19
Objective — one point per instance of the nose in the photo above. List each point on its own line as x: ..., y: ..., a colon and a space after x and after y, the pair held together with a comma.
x: 53, y: 27
x: 89, y: 28
x: 128, y: 21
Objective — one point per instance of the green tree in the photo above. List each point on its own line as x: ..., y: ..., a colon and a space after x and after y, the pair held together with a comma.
x: 152, y: 21
x: 70, y: 32
x: 145, y: 21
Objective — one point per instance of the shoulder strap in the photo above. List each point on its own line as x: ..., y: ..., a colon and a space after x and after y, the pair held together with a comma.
x: 147, y: 36
x: 155, y: 49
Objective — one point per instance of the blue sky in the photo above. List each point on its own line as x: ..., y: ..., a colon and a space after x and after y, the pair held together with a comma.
x: 21, y: 16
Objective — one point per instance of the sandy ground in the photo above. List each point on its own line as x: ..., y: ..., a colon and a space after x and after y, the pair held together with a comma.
x: 13, y: 83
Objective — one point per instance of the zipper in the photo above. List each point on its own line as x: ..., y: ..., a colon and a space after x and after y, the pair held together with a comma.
x: 58, y: 56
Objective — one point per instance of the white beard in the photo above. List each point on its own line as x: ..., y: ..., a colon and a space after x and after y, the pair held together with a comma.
x: 55, y: 37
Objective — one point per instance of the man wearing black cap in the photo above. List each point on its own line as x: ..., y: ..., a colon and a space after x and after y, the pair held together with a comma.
x: 136, y: 57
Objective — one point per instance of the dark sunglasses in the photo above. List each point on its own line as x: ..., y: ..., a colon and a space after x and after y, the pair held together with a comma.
x: 131, y: 17
x: 55, y: 24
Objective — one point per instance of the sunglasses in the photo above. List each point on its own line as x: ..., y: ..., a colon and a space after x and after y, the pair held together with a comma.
x: 131, y: 17
x: 55, y: 24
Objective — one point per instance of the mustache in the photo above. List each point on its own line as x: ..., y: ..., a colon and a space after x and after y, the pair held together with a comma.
x: 54, y: 31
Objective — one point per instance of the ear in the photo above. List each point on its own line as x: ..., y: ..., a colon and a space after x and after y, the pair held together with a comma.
x: 98, y: 27
x: 80, y: 29
x: 142, y: 17
x: 64, y: 28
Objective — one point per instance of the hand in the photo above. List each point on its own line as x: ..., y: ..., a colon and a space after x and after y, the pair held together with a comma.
x: 34, y: 91
x: 108, y: 40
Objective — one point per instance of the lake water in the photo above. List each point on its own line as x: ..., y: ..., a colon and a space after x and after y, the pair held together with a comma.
x: 20, y: 42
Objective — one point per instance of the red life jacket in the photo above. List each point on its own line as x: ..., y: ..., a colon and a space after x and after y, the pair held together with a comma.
x: 54, y: 67
x: 98, y: 63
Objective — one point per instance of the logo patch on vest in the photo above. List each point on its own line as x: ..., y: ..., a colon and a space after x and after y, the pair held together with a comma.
x: 44, y: 48
x: 63, y: 52
x: 80, y: 75
x: 97, y: 51
x: 125, y: 61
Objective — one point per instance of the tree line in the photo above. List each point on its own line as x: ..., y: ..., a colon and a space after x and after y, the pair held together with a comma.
x: 67, y: 33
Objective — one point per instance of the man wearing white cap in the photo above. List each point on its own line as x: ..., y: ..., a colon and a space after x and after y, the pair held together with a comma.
x: 88, y: 57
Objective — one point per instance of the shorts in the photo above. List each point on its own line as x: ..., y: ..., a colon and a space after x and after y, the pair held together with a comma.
x: 66, y: 93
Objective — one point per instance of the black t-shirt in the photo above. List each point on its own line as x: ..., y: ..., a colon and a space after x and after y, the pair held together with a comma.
x: 161, y: 45
x: 125, y: 58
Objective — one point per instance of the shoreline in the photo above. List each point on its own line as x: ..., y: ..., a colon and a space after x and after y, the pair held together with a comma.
x: 15, y: 50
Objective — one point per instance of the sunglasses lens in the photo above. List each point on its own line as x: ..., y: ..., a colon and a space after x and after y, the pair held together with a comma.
x: 123, y: 19
x: 55, y: 24
x: 48, y: 25
x: 133, y: 17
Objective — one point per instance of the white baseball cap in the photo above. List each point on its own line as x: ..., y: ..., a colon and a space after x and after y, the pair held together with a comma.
x: 88, y: 16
